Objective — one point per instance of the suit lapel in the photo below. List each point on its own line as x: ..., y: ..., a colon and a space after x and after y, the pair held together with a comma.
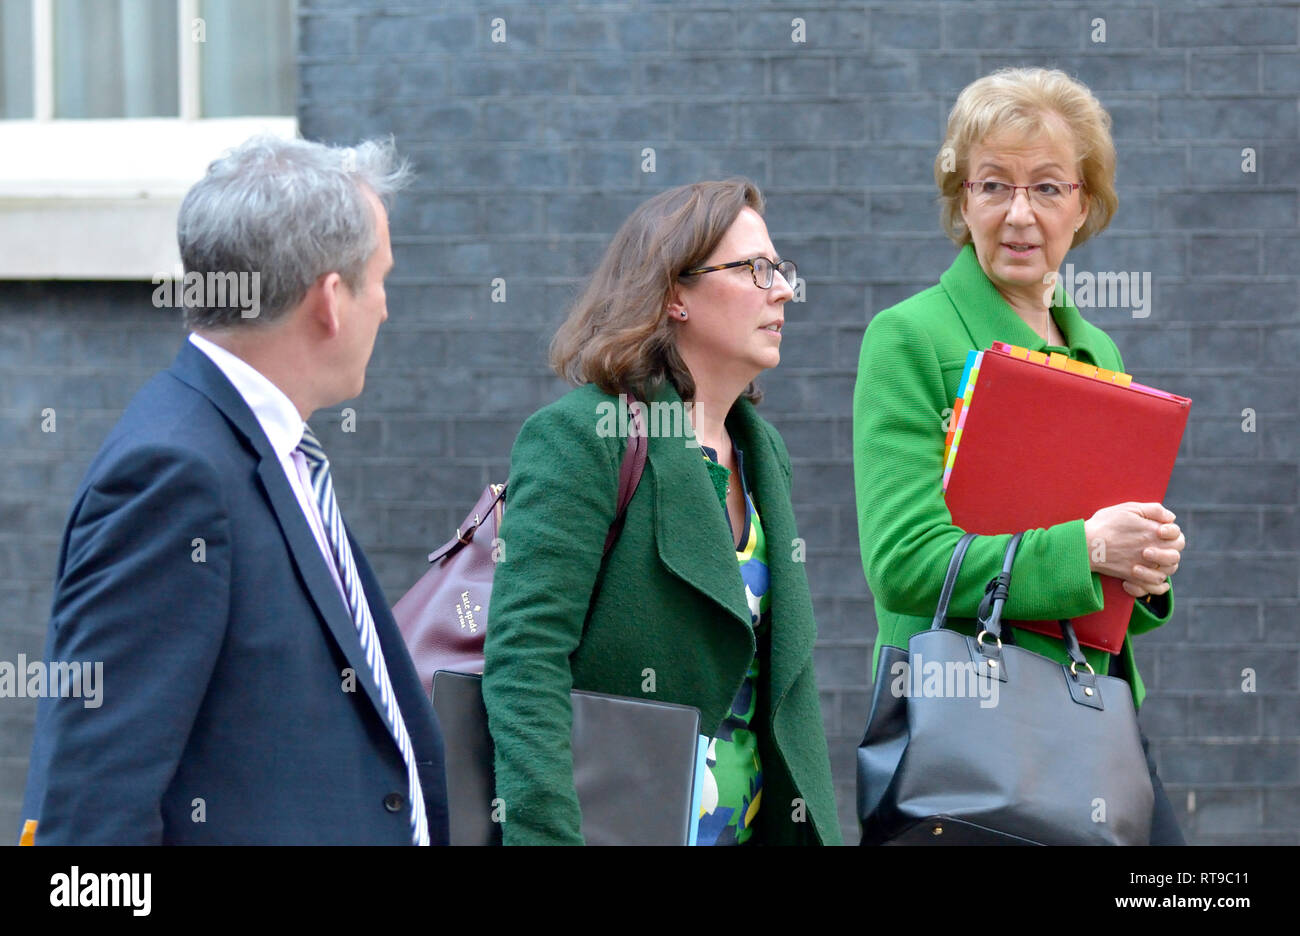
x: 793, y: 628
x: 316, y: 575
x: 194, y: 368
x: 691, y: 530
x: 417, y: 711
x: 695, y: 543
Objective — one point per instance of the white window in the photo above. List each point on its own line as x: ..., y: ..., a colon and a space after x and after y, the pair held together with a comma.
x: 111, y: 109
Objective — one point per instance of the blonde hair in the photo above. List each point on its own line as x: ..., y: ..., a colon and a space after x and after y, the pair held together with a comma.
x: 1021, y: 102
x: 618, y: 335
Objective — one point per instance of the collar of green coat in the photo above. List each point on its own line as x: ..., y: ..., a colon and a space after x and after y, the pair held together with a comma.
x: 988, y: 317
x: 693, y: 536
x: 794, y: 629
x: 695, y: 543
x: 695, y: 539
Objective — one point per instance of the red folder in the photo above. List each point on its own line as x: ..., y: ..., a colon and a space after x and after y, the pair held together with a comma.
x: 1043, y: 445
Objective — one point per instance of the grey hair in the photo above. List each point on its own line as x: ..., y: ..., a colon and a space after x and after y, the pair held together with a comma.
x: 289, y: 210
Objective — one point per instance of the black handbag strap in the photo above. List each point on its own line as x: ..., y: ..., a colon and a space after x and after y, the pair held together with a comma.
x: 950, y: 581
x: 995, y: 593
x: 1072, y: 644
x: 995, y: 599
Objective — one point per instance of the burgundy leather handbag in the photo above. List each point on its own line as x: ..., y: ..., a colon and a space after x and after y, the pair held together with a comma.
x: 443, y: 618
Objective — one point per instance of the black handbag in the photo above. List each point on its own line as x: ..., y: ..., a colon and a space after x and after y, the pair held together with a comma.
x: 972, y: 742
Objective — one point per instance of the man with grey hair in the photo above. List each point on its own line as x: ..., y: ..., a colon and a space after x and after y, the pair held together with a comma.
x: 256, y: 688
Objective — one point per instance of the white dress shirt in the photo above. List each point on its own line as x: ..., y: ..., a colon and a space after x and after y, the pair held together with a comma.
x: 283, y: 425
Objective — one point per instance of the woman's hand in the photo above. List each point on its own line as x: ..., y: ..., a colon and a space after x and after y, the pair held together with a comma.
x: 1138, y: 543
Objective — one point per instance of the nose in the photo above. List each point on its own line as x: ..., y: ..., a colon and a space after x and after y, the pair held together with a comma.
x: 1020, y: 211
x: 781, y: 288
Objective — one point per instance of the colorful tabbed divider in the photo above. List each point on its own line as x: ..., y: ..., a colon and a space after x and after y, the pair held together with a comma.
x: 970, y: 376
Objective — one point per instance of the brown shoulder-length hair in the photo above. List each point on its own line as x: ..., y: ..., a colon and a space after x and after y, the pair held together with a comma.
x: 617, y: 334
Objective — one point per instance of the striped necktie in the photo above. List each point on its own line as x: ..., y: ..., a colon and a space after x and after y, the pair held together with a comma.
x: 323, y: 490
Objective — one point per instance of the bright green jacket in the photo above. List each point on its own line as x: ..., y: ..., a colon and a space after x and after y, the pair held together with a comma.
x: 912, y: 357
x: 669, y: 613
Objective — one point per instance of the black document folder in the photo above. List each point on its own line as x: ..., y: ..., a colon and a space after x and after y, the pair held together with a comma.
x: 633, y: 766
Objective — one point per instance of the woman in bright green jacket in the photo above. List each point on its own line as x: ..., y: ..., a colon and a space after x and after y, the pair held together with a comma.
x: 1025, y: 173
x: 702, y: 599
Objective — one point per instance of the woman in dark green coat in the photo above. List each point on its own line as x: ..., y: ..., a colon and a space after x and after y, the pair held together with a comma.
x: 703, y: 599
x: 1026, y: 172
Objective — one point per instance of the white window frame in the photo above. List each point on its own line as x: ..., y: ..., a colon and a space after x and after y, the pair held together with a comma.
x: 97, y: 199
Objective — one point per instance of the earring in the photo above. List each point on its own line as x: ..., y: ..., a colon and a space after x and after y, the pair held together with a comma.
x: 683, y: 313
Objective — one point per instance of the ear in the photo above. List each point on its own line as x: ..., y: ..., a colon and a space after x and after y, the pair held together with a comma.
x: 328, y: 310
x: 675, y: 306
x: 1085, y: 203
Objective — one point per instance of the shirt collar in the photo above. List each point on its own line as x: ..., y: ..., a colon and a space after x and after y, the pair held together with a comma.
x: 712, y: 455
x: 988, y: 317
x: 275, y: 412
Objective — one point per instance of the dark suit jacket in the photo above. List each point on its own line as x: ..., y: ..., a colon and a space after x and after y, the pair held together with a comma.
x: 224, y: 717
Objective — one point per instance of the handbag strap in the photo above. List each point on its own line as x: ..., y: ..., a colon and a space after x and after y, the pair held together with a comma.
x: 995, y: 599
x: 995, y: 593
x: 950, y: 581
x: 629, y: 472
x: 629, y: 476
x: 1072, y: 647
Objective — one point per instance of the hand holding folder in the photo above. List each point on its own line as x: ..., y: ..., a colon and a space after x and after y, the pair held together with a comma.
x: 1037, y: 440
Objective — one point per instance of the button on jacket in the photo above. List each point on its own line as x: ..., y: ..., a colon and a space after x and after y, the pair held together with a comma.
x: 912, y: 357
x: 669, y: 613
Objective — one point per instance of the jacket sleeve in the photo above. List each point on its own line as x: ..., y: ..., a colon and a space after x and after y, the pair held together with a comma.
x: 1146, y: 616
x: 563, y: 486
x: 906, y: 532
x: 135, y: 596
x: 1149, y: 616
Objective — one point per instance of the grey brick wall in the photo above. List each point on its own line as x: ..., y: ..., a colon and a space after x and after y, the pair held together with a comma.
x: 80, y: 350
x: 530, y: 154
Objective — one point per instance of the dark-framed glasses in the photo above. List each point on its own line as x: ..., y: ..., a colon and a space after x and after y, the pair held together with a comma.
x: 1046, y: 194
x: 759, y: 267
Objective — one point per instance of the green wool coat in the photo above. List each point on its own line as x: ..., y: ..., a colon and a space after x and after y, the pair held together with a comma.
x: 667, y: 604
x: 912, y: 357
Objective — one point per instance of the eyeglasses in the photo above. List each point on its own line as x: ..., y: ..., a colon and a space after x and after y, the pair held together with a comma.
x: 1048, y: 195
x: 759, y: 267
